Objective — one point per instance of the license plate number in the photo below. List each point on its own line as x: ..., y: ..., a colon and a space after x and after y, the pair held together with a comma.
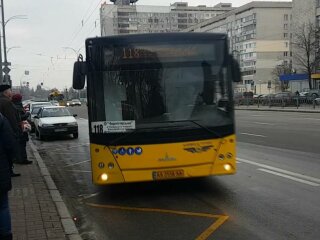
x: 168, y: 174
x: 61, y: 130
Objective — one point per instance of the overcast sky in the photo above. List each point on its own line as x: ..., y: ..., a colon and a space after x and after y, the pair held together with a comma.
x: 38, y: 42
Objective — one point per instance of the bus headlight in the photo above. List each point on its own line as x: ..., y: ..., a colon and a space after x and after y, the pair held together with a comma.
x: 104, y: 177
x: 227, y: 167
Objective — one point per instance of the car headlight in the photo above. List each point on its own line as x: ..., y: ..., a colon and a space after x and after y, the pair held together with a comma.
x: 47, y: 125
x: 73, y: 124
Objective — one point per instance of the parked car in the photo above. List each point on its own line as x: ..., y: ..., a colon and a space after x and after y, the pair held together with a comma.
x: 33, y: 108
x: 313, y: 93
x: 55, y: 120
x: 285, y: 99
x: 55, y: 103
x: 74, y: 102
x: 243, y: 98
x: 266, y: 99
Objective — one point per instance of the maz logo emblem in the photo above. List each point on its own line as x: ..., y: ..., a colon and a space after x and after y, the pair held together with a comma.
x: 198, y: 149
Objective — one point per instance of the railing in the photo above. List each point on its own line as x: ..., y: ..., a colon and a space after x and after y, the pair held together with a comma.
x: 285, y: 103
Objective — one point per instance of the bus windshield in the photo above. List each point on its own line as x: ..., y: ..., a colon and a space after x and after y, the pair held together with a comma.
x: 152, y: 85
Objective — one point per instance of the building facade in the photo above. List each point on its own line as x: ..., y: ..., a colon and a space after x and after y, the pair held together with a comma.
x: 126, y: 17
x: 304, y: 13
x: 259, y: 37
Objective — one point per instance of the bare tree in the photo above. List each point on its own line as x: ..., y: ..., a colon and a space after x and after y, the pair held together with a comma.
x: 279, y: 70
x: 306, y: 43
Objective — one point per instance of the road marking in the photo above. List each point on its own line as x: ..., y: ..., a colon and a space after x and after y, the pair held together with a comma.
x: 289, y: 177
x: 258, y: 115
x: 261, y: 123
x: 317, y: 119
x: 203, y: 236
x: 69, y: 165
x: 254, y: 135
x: 212, y: 228
x: 313, y: 179
x: 85, y: 196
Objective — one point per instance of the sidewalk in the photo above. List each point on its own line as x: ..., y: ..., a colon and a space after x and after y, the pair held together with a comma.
x: 35, y: 213
x: 279, y: 109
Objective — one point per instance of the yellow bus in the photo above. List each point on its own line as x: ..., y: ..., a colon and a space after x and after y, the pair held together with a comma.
x: 160, y: 106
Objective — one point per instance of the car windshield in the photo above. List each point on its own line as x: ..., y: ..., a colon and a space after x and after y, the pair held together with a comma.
x: 35, y: 110
x: 55, y: 112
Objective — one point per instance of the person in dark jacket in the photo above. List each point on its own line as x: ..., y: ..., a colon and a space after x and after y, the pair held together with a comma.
x: 24, y: 137
x: 7, y: 142
x: 9, y: 111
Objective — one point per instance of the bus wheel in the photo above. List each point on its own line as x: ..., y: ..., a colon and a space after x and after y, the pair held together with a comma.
x: 75, y: 135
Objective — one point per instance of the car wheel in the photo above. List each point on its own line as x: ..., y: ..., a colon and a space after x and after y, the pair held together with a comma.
x: 314, y: 96
x: 75, y: 135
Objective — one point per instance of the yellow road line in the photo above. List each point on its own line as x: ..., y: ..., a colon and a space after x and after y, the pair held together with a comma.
x: 203, y: 236
x: 212, y: 228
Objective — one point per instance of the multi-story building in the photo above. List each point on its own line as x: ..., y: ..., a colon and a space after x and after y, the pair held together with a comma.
x: 126, y: 17
x: 304, y: 13
x: 259, y: 34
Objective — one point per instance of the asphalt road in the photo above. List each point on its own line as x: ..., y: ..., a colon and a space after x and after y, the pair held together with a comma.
x: 274, y: 195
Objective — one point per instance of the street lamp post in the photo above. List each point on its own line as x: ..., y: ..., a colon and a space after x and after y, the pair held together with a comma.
x: 8, y: 49
x: 6, y: 70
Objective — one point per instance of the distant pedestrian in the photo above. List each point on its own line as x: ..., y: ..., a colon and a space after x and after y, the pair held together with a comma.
x: 24, y: 137
x: 297, y: 93
x: 7, y: 143
x: 9, y: 111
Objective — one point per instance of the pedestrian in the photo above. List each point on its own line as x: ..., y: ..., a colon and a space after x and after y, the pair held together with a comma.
x: 7, y: 143
x: 24, y: 137
x: 10, y: 113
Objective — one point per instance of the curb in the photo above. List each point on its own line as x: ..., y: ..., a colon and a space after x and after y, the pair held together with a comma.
x: 278, y: 110
x: 69, y: 227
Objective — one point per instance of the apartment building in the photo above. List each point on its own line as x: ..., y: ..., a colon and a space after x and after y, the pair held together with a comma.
x: 127, y: 17
x: 259, y: 34
x: 305, y: 12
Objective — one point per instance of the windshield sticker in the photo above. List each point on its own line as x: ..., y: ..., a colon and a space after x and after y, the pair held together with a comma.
x: 112, y: 126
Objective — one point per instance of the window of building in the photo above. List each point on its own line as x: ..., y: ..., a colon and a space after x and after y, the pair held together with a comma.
x: 285, y: 26
x: 285, y: 35
x: 285, y: 54
x: 286, y: 17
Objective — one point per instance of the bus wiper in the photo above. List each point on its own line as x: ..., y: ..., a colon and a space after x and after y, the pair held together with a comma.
x: 195, y: 123
x: 115, y: 141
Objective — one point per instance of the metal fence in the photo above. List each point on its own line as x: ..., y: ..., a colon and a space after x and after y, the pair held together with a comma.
x: 286, y: 103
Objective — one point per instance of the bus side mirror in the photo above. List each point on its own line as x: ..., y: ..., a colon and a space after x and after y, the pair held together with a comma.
x: 235, y: 70
x: 79, y: 74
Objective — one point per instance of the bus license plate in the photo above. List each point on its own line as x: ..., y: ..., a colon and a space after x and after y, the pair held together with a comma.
x: 168, y: 174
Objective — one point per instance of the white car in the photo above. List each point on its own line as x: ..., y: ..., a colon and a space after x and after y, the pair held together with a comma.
x: 74, y: 102
x: 55, y: 120
x: 33, y: 108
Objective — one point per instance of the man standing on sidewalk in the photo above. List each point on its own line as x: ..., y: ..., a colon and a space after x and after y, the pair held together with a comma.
x: 9, y: 111
x: 7, y: 142
x: 24, y: 137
